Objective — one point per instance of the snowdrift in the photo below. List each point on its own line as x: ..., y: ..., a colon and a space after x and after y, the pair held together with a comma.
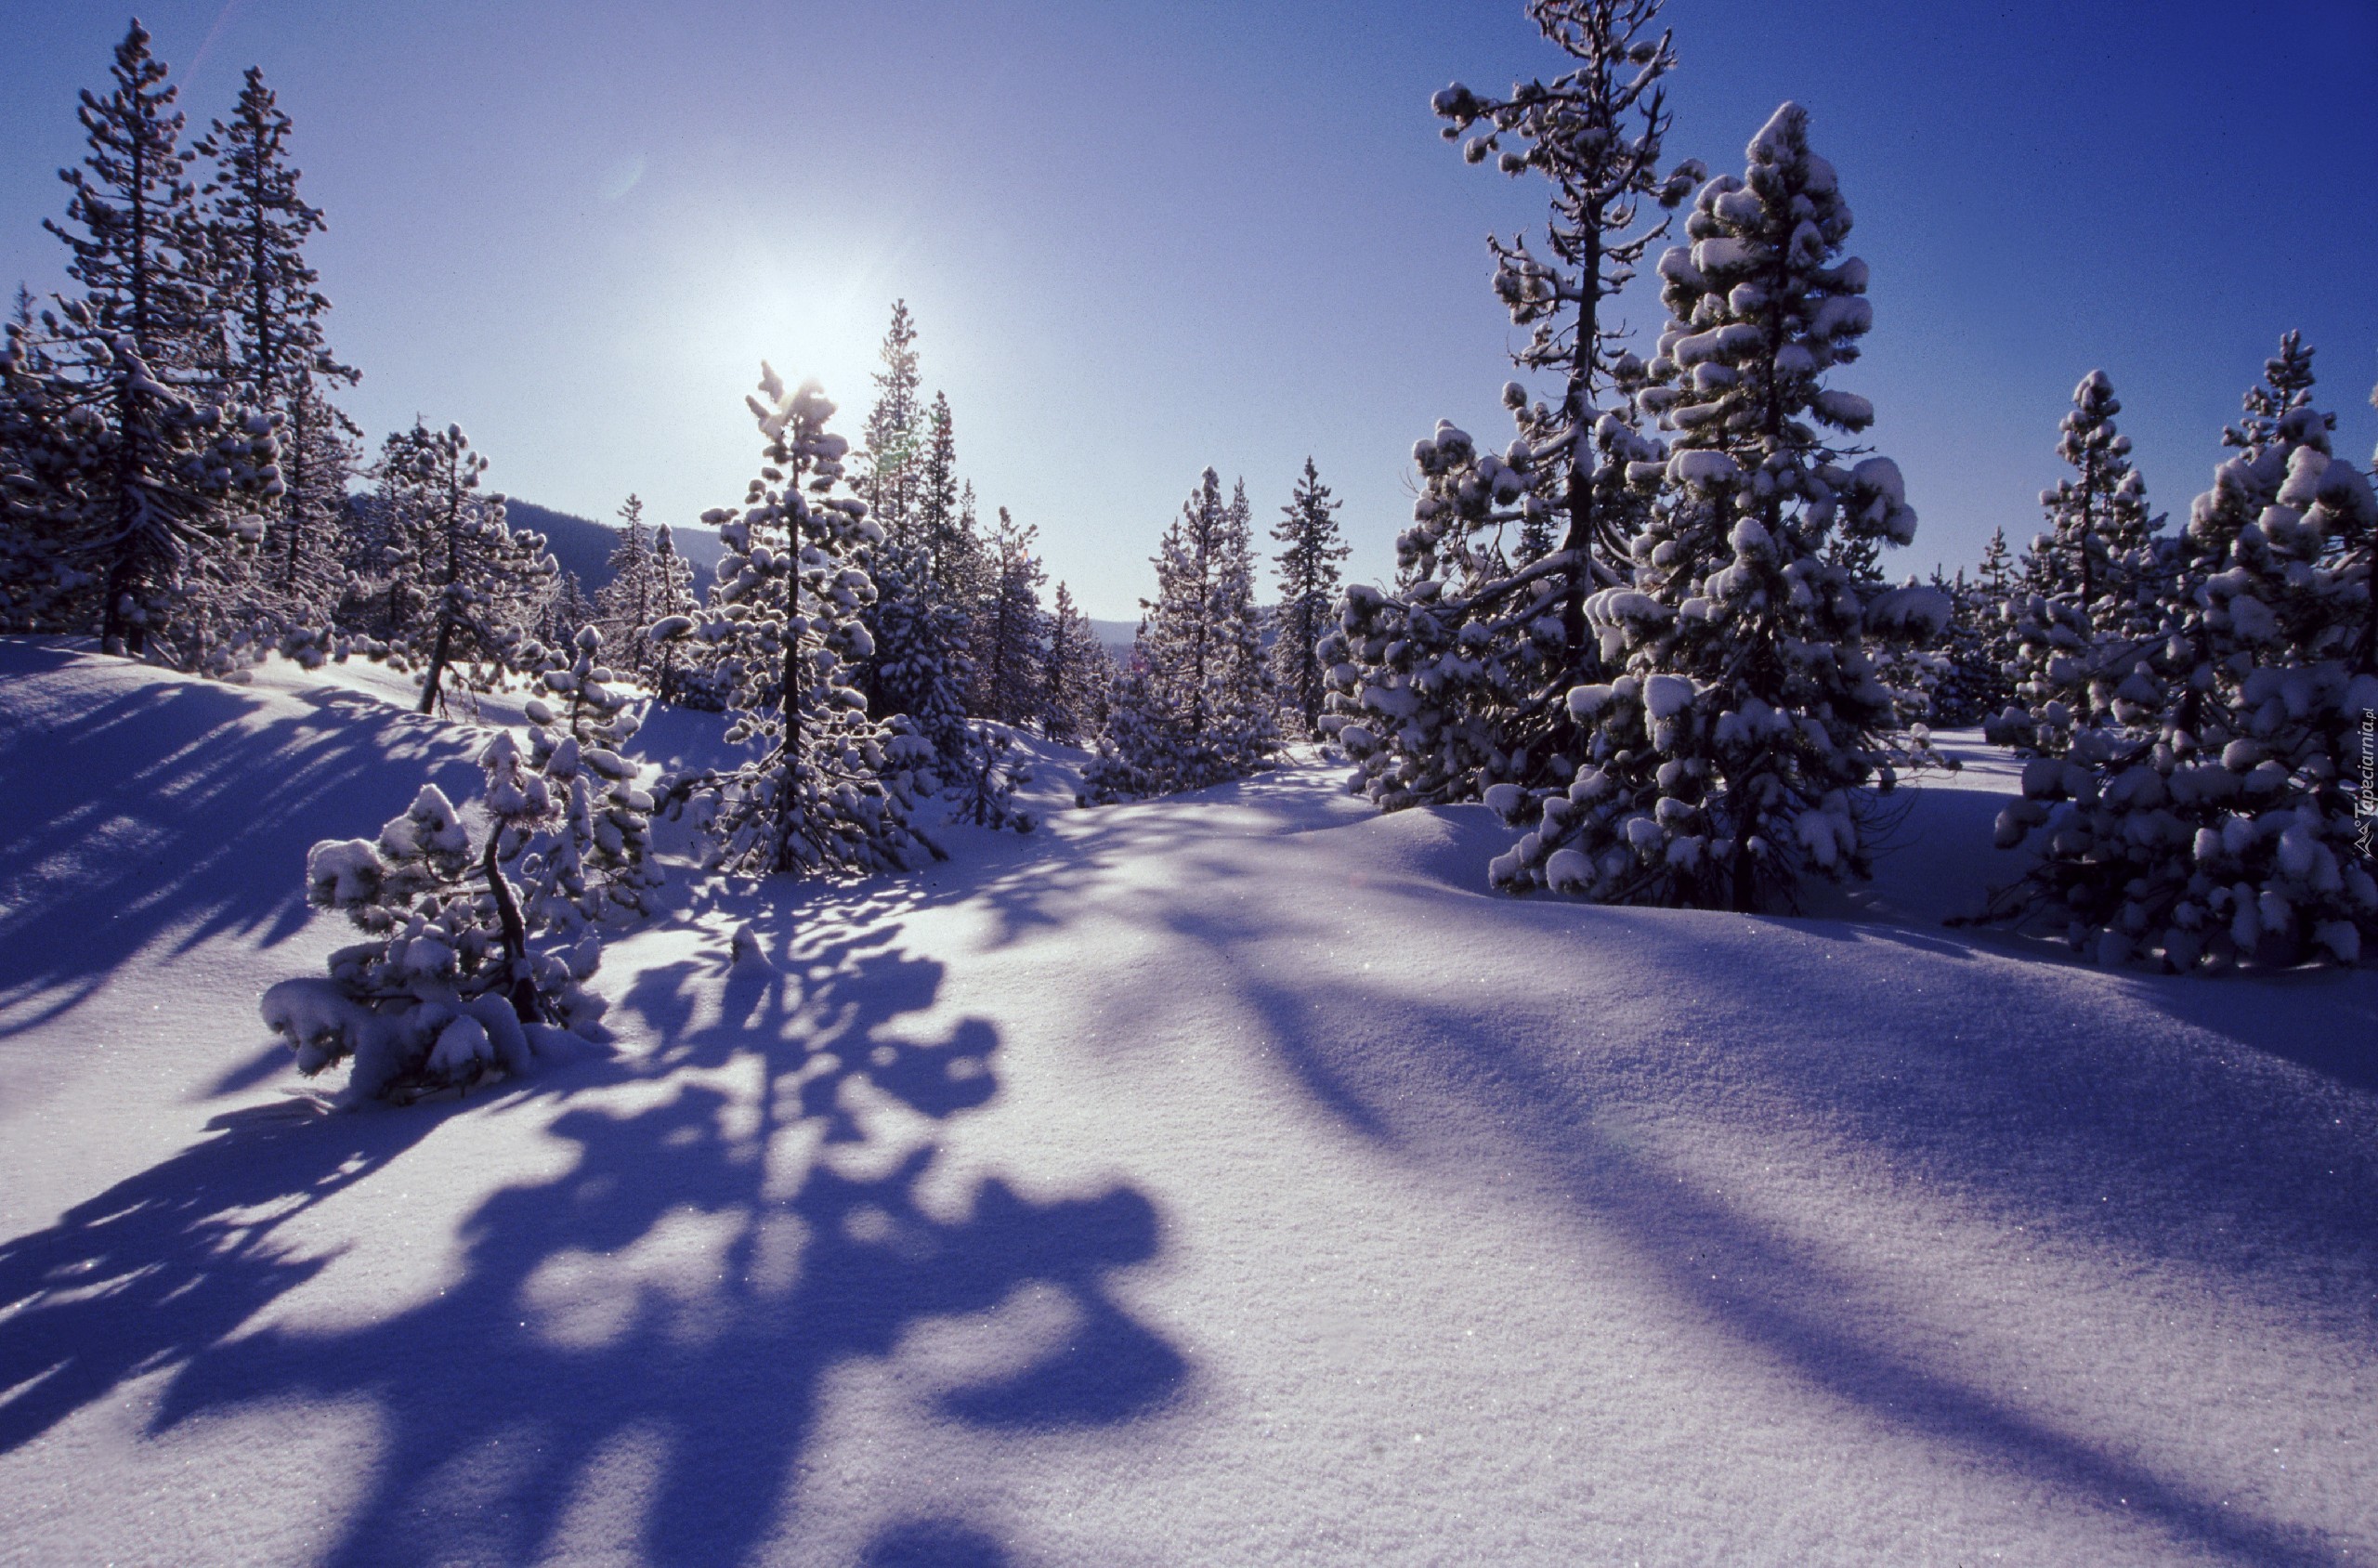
x: 1229, y: 1178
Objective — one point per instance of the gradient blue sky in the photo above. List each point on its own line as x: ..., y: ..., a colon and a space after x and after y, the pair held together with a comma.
x: 1144, y: 237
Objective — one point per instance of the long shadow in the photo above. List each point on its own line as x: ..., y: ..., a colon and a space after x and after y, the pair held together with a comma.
x: 704, y: 1261
x: 1039, y: 883
x: 2310, y: 1205
x: 1775, y: 1292
x: 177, y: 804
x: 165, y: 1265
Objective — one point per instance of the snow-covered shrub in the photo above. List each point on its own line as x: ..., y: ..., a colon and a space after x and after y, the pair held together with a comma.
x: 473, y: 953
x: 577, y: 697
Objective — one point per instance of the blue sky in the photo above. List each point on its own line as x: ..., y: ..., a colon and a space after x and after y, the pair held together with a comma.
x: 1140, y: 239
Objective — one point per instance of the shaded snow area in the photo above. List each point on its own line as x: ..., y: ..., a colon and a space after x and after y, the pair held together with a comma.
x: 1229, y: 1178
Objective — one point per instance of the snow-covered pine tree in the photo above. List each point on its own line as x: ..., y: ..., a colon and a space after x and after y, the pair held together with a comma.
x: 917, y: 678
x: 1012, y: 627
x: 279, y: 360
x: 44, y: 581
x: 888, y: 476
x: 1455, y: 680
x: 1972, y: 687
x: 626, y: 604
x: 567, y: 609
x: 830, y: 789
x: 582, y: 720
x: 1142, y: 748
x: 917, y: 666
x: 1075, y: 676
x: 474, y: 957
x: 2285, y: 389
x: 1246, y: 703
x: 665, y: 640
x: 1196, y: 707
x: 387, y: 599
x: 1726, y: 754
x: 932, y: 580
x: 482, y: 581
x: 942, y: 525
x: 1311, y: 548
x: 578, y: 697
x: 148, y: 472
x: 2217, y: 826
x: 2086, y: 613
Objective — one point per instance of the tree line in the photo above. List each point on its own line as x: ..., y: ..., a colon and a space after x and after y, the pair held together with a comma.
x: 1654, y: 630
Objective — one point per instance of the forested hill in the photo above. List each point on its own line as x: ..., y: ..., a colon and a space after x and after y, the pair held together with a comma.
x: 584, y: 546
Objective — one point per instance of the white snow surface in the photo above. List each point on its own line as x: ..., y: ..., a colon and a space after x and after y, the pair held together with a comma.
x: 1227, y: 1178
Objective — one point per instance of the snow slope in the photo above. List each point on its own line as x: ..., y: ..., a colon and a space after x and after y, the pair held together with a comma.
x: 1221, y: 1179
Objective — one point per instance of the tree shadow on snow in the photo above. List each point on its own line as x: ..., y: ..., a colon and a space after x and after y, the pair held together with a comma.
x: 2119, y: 1154
x: 165, y: 1265
x: 180, y: 804
x: 745, y: 1210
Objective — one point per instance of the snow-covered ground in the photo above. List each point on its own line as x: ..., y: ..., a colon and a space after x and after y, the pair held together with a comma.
x: 1229, y: 1179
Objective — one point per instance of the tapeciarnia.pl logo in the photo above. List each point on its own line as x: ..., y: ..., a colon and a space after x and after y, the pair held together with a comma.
x: 2365, y: 806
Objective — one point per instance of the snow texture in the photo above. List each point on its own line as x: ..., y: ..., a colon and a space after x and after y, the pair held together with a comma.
x: 1126, y: 1194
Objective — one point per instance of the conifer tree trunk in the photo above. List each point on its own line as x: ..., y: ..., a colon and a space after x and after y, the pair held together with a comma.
x: 1576, y: 407
x: 437, y: 655
x: 787, y: 793
x: 293, y: 500
x: 523, y: 989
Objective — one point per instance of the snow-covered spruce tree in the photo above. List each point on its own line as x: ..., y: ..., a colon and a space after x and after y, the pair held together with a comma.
x: 45, y: 584
x: 151, y: 473
x: 474, y: 957
x: 918, y: 665
x: 482, y: 581
x: 1011, y: 627
x: 567, y: 610
x: 943, y: 528
x: 2088, y: 611
x: 1972, y: 687
x: 578, y: 697
x: 387, y: 599
x: 933, y: 581
x: 831, y: 788
x: 2217, y: 825
x: 1247, y: 705
x: 895, y: 432
x: 1198, y: 707
x: 582, y: 720
x: 278, y: 358
x: 1075, y: 675
x: 1311, y: 548
x: 1455, y: 680
x: 624, y: 606
x: 665, y: 640
x: 1745, y: 711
